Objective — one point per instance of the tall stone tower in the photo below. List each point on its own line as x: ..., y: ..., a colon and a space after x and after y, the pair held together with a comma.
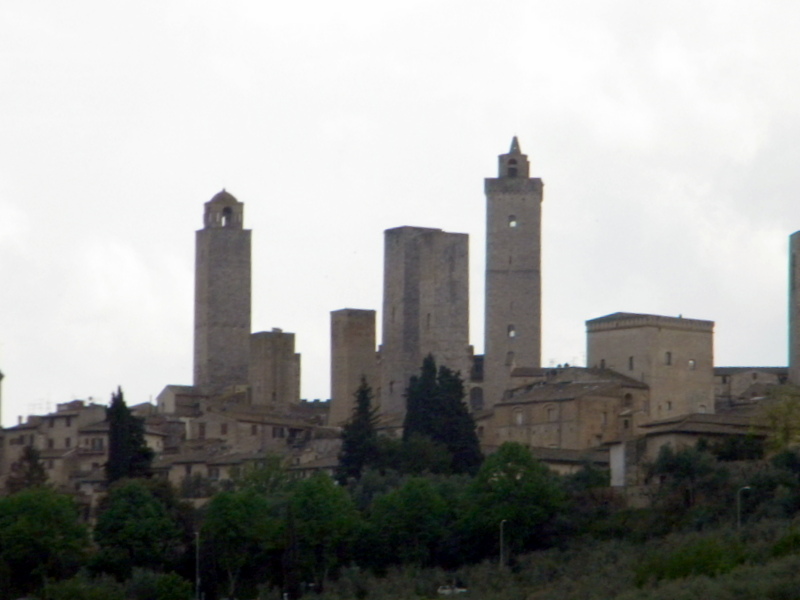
x: 513, y: 329
x: 222, y: 296
x: 353, y: 356
x: 794, y: 308
x: 425, y: 308
x: 274, y: 370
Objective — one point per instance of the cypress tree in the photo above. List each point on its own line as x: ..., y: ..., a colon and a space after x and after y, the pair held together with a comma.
x: 359, y: 438
x: 128, y: 454
x: 435, y: 409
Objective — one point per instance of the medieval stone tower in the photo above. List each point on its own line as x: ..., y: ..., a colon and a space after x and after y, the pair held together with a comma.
x: 794, y: 308
x: 513, y: 273
x: 352, y: 357
x: 425, y: 307
x: 222, y: 296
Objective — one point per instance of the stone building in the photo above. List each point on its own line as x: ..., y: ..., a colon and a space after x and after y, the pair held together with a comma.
x: 513, y: 273
x: 672, y: 355
x: 425, y: 308
x: 572, y: 408
x: 353, y: 356
x: 222, y: 296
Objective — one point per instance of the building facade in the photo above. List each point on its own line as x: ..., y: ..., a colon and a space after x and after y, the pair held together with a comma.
x: 672, y: 355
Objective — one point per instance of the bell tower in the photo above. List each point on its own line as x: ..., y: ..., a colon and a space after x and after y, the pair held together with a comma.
x: 513, y: 336
x: 222, y: 296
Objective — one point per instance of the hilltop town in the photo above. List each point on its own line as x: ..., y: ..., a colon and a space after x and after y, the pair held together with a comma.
x: 649, y: 380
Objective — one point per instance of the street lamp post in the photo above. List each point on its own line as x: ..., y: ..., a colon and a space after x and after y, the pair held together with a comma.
x: 739, y: 507
x: 502, y: 543
x: 197, y: 565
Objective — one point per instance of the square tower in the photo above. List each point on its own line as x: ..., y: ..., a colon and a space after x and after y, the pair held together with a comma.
x: 274, y: 370
x: 513, y: 329
x: 353, y: 356
x: 222, y: 296
x: 672, y: 355
x: 425, y: 308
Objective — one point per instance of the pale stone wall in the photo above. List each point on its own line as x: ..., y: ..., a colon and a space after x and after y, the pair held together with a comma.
x: 222, y: 297
x: 352, y: 357
x: 274, y: 370
x: 513, y: 274
x: 674, y: 356
x: 425, y: 307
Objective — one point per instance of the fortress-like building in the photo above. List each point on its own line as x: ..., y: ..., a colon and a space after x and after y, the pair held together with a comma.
x: 650, y: 380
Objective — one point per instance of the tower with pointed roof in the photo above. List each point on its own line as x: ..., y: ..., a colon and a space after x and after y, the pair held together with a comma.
x: 513, y: 310
x: 222, y: 297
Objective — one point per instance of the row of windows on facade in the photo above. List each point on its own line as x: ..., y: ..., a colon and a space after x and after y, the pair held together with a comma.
x: 92, y: 443
x: 552, y: 412
x: 691, y: 363
x: 277, y: 432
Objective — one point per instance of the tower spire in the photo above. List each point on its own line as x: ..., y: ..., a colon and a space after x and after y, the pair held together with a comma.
x: 515, y: 146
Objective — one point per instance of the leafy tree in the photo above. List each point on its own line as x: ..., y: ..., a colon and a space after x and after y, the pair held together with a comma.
x: 782, y: 412
x: 415, y: 455
x: 514, y: 487
x: 359, y: 437
x: 128, y: 454
x: 135, y: 529
x: 240, y: 526
x: 324, y: 524
x: 410, y: 523
x: 41, y: 537
x: 26, y: 472
x: 269, y: 477
x: 436, y: 410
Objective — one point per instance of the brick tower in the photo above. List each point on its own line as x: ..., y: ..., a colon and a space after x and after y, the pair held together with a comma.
x: 222, y: 296
x: 513, y: 334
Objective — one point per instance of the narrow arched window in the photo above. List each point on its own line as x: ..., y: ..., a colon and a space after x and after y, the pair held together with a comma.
x: 511, y: 167
x: 512, y: 333
x: 227, y: 216
x: 512, y: 220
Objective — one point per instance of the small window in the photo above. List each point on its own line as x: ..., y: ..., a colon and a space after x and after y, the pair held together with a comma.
x: 630, y: 363
x: 50, y: 443
x: 668, y: 358
x: 626, y: 424
x: 223, y: 429
x: 552, y: 414
x: 602, y: 363
x: 68, y: 442
x: 512, y: 221
x: 755, y: 376
x: 692, y: 364
x: 669, y: 405
x: 627, y: 401
x: 253, y: 429
x: 51, y: 423
x: 518, y: 417
x: 201, y: 433
x: 512, y: 167
x: 512, y: 332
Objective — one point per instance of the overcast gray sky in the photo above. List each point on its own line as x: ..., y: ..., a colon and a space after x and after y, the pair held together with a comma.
x: 666, y: 135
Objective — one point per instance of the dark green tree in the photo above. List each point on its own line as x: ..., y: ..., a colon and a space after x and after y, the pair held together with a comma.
x: 514, y: 487
x: 240, y: 527
x: 135, y: 529
x: 324, y: 526
x: 26, y: 472
x: 128, y: 454
x: 410, y: 523
x: 359, y: 438
x: 41, y: 538
x: 435, y: 409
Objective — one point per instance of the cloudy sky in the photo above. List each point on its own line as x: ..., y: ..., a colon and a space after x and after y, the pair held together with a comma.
x: 667, y: 135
